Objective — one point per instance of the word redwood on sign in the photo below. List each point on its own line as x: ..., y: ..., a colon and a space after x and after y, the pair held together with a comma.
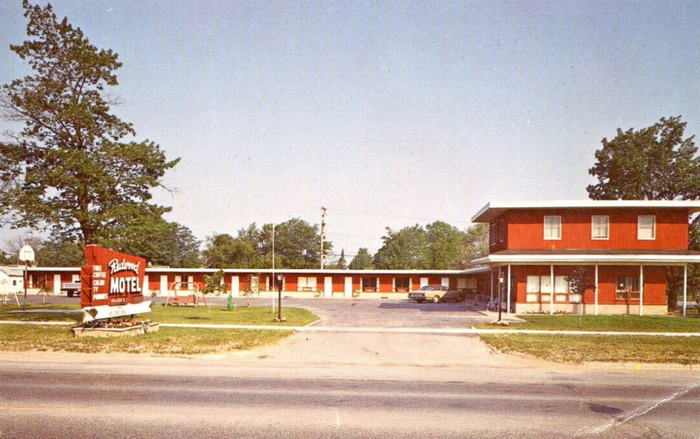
x: 111, y: 284
x: 115, y: 266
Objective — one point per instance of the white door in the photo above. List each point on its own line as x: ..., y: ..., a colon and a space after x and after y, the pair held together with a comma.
x: 57, y: 284
x: 235, y: 286
x: 163, y: 284
x: 445, y: 282
x: 423, y: 281
x: 190, y: 283
x: 328, y: 286
x: 75, y: 278
x: 146, y: 291
x: 348, y: 286
x: 178, y: 283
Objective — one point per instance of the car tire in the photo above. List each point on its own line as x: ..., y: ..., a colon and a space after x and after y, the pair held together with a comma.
x: 419, y: 300
x: 70, y: 294
x: 436, y: 299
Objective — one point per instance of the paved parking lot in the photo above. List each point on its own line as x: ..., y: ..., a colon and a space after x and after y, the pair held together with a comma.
x: 384, y: 313
x: 362, y: 313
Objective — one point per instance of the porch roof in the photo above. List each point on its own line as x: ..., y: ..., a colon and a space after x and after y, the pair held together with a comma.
x: 589, y: 257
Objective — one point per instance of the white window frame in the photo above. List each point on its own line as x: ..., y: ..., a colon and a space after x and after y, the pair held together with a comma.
x: 593, y: 228
x: 551, y: 238
x: 533, y: 284
x: 639, y: 228
x: 561, y: 284
x: 305, y: 283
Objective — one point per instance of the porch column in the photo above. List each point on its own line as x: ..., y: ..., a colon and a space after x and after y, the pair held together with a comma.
x: 685, y: 288
x: 491, y: 282
x: 508, y: 291
x: 595, y: 311
x: 641, y: 290
x: 551, y: 285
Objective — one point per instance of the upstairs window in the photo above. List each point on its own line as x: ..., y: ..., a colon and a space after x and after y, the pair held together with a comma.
x: 501, y: 231
x: 646, y: 227
x: 552, y: 227
x: 492, y: 233
x: 600, y: 227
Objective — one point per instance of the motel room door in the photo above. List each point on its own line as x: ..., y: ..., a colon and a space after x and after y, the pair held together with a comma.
x: 348, y: 286
x: 328, y: 286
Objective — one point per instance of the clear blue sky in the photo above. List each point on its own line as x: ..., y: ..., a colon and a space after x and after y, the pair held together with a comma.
x: 387, y: 113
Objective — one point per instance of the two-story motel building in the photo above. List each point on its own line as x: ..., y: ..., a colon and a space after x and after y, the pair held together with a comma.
x: 627, y: 248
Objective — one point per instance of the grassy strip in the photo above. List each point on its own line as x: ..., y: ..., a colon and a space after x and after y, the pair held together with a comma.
x: 257, y: 315
x: 603, y: 323
x: 579, y: 348
x: 29, y: 314
x: 173, y: 341
x: 171, y: 314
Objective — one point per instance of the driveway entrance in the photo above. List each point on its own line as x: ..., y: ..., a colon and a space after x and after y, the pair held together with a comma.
x: 384, y: 313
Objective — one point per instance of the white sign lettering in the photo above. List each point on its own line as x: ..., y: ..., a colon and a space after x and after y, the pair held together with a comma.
x: 115, y: 266
x: 121, y: 285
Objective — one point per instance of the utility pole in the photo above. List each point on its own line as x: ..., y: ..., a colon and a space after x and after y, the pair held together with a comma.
x: 274, y: 279
x: 323, y: 228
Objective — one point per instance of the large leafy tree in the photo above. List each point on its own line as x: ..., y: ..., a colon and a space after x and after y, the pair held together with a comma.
x: 225, y: 251
x: 403, y: 249
x: 57, y: 253
x: 437, y: 246
x: 654, y: 163
x: 296, y: 246
x: 150, y: 236
x: 73, y: 167
x: 444, y: 250
x: 362, y: 260
x: 475, y: 244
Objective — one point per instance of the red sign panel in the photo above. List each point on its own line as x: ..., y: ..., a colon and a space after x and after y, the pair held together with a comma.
x: 111, y: 278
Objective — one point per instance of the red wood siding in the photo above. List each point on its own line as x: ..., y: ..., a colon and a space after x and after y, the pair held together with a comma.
x: 654, y: 282
x: 526, y: 230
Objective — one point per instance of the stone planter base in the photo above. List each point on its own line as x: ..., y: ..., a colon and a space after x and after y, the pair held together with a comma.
x: 129, y: 331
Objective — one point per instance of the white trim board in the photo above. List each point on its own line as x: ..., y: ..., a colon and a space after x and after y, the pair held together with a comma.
x: 495, y: 208
x: 589, y: 259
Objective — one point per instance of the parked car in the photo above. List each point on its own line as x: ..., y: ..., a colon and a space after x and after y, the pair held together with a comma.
x: 71, y: 288
x: 435, y: 294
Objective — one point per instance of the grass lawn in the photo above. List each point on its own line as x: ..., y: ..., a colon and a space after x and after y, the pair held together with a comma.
x: 241, y: 315
x: 57, y: 313
x: 171, y: 314
x: 578, y: 348
x: 603, y: 323
x: 173, y: 341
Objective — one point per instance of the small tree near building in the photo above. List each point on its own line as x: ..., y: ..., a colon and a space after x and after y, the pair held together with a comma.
x: 579, y: 282
x: 214, y: 284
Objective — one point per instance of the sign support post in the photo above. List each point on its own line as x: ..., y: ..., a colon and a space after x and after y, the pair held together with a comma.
x: 26, y: 255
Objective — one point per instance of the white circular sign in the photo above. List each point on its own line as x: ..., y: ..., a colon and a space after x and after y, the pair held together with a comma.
x: 26, y: 254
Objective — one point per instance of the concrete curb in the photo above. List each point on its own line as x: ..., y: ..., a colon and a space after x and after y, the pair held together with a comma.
x: 443, y: 331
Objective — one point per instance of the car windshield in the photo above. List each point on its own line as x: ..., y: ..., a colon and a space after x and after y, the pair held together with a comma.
x: 428, y: 288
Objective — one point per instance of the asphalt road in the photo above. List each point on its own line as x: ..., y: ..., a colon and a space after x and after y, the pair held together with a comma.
x: 171, y: 404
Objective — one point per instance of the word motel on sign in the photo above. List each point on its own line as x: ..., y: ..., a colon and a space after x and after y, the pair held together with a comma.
x: 121, y: 285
